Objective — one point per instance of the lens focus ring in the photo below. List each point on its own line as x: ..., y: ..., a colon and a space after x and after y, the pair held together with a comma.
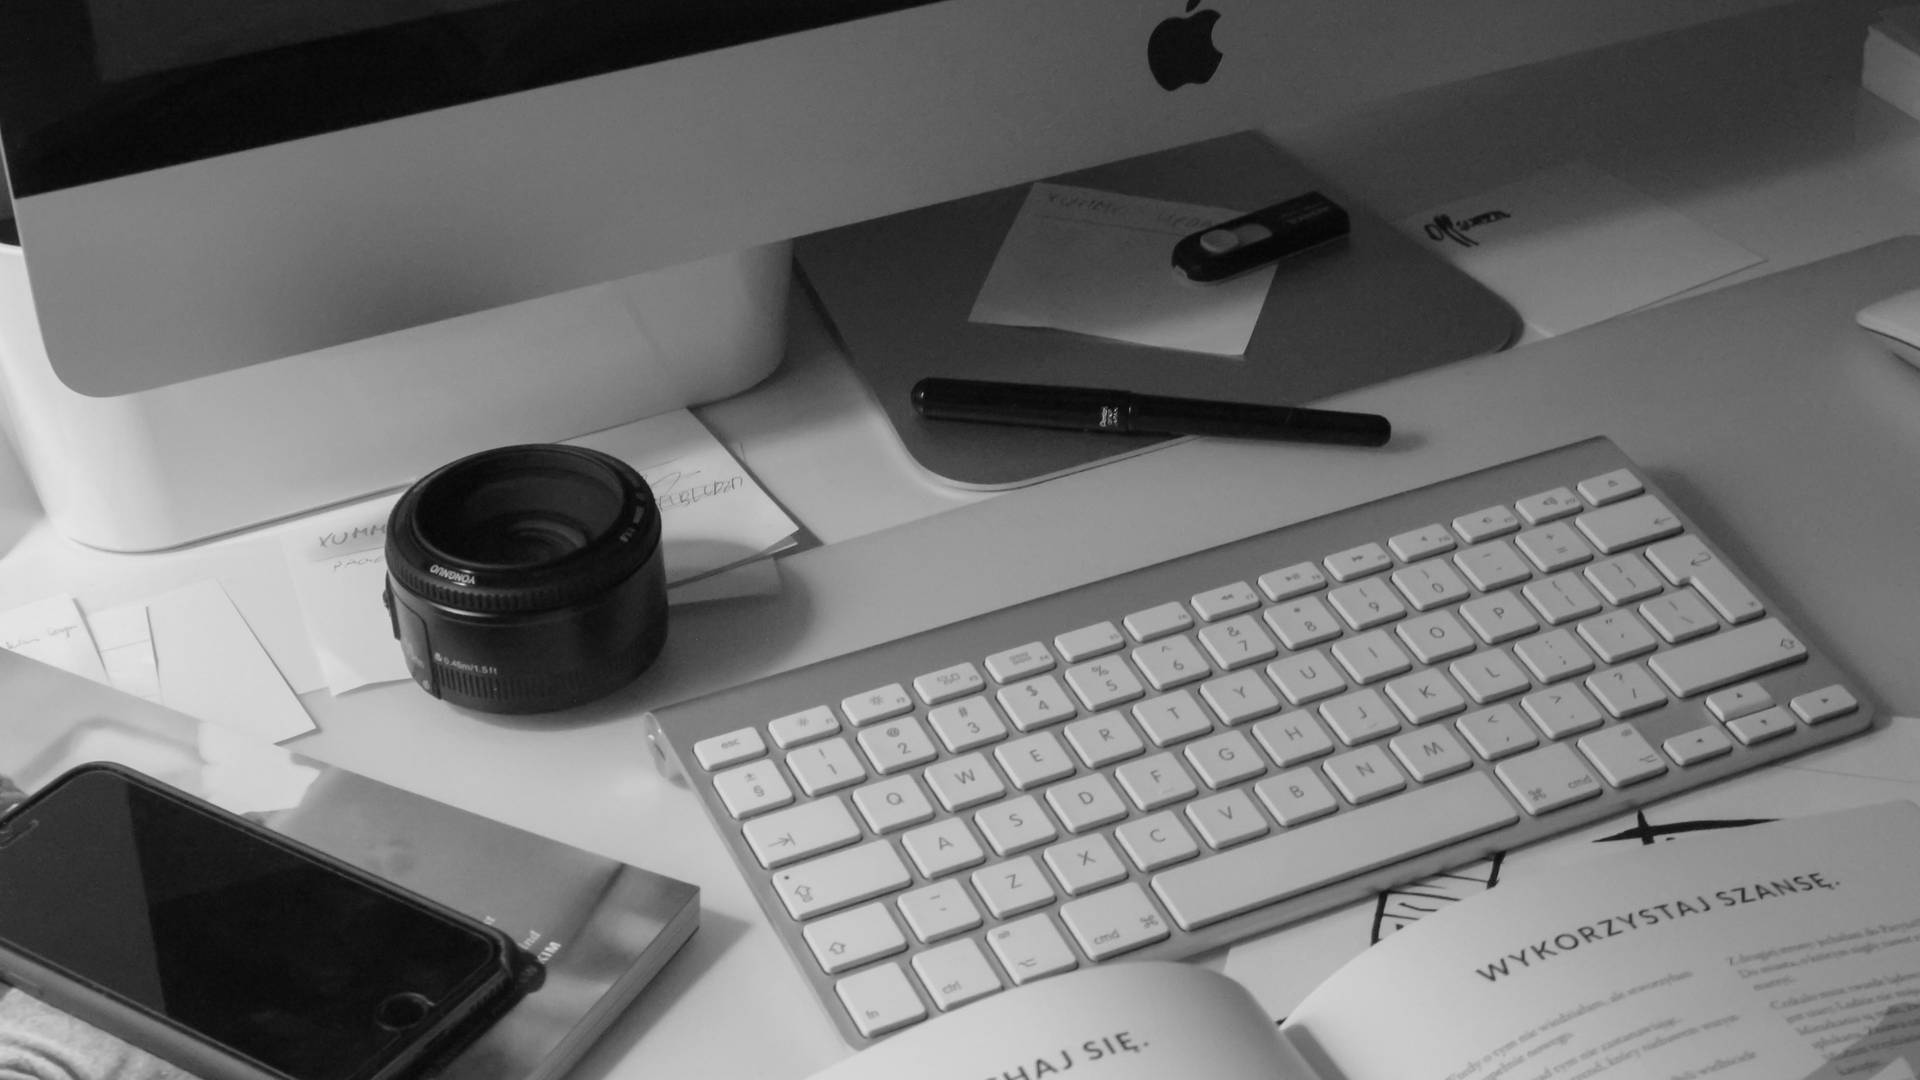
x: 444, y: 547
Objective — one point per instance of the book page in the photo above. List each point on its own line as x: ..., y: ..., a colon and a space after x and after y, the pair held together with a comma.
x: 1789, y: 950
x: 1120, y: 1021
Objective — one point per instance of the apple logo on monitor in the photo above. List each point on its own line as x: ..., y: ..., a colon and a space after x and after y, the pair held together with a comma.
x: 1181, y: 49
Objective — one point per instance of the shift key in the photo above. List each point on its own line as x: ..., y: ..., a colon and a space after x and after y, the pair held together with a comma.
x: 1729, y: 656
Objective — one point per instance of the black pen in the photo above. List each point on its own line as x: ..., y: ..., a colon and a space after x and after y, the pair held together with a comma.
x: 1119, y: 411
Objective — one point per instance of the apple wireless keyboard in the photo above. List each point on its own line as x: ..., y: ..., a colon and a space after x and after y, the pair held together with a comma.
x: 1184, y: 755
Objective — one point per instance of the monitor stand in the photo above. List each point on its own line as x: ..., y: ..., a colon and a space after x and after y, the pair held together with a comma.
x: 177, y: 464
x: 1369, y: 307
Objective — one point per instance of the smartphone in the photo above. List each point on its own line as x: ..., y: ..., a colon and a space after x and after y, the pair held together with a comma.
x: 235, y: 953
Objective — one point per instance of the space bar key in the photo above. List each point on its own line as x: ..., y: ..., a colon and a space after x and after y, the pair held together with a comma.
x: 1290, y: 863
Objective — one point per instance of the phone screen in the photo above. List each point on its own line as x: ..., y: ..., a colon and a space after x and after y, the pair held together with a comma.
x: 228, y: 934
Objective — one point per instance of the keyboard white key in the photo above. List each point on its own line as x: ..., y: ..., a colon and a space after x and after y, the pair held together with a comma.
x: 1485, y: 524
x: 1825, y: 704
x: 1085, y: 803
x: 1156, y: 841
x: 939, y: 911
x: 1171, y: 662
x: 892, y: 805
x: 1553, y: 548
x: 1685, y: 560
x: 1421, y: 542
x: 1549, y: 506
x: 826, y: 766
x: 752, y: 789
x: 966, y: 724
x: 804, y: 726
x: 876, y: 704
x: 1622, y: 755
x: 948, y: 683
x: 834, y: 881
x: 1029, y: 659
x: 1171, y: 718
x: 1085, y: 864
x: 1119, y: 920
x: 729, y: 749
x: 965, y: 781
x: 1030, y: 949
x: 897, y: 744
x: 1089, y: 642
x: 1492, y: 565
x: 1104, y: 683
x: 1034, y: 760
x: 1303, y: 622
x: 799, y: 832
x: 943, y: 847
x: 1292, y: 738
x: 1159, y: 621
x: 1761, y: 726
x: 880, y: 999
x: 1103, y: 739
x: 1036, y: 703
x: 1729, y: 656
x: 1219, y: 603
x: 1358, y: 562
x: 1610, y: 487
x: 1289, y: 582
x: 956, y: 974
x: 1548, y: 779
x: 852, y: 938
x: 1198, y: 749
x: 1013, y: 887
x: 1621, y: 525
x: 1287, y: 864
x: 1015, y: 825
x: 1226, y: 819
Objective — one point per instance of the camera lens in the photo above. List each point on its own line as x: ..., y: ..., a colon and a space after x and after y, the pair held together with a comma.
x: 527, y: 578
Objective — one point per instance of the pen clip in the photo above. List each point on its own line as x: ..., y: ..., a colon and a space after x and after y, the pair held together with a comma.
x: 1252, y: 240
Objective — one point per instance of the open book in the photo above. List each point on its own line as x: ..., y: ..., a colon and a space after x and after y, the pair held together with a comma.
x: 1790, y: 951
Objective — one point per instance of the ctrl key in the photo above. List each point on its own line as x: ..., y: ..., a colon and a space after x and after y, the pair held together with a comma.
x: 881, y: 999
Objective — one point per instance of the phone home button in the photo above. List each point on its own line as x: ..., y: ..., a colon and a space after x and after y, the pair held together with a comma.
x: 402, y: 1011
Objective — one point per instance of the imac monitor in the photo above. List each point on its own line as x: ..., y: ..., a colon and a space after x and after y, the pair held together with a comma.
x: 402, y: 229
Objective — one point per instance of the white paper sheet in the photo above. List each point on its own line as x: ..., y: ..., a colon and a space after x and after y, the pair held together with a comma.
x: 716, y: 522
x: 52, y: 631
x: 1101, y: 264
x: 1571, y: 246
x: 212, y: 667
x: 124, y: 636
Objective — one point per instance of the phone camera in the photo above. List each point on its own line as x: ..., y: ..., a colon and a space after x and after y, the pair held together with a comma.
x: 527, y: 578
x: 402, y: 1011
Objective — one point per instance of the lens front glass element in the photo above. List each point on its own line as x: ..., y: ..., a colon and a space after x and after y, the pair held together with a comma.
x: 519, y: 514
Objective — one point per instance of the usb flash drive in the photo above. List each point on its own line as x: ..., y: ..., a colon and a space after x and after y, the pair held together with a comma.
x: 1236, y: 246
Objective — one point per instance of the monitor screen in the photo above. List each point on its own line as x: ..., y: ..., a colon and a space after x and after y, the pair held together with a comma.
x: 134, y: 85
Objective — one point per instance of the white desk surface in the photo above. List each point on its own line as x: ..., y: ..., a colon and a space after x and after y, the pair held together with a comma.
x: 1799, y: 454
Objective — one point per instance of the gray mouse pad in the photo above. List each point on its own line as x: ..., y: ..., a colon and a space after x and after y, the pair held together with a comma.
x: 898, y: 291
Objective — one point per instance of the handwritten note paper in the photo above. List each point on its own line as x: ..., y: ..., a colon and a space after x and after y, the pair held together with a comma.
x: 52, y: 631
x: 714, y: 518
x: 1098, y: 263
x: 1571, y: 246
